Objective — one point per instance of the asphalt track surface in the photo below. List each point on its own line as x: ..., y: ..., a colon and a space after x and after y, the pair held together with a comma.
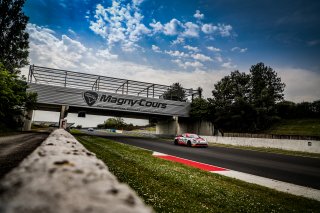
x: 14, y: 148
x: 302, y: 171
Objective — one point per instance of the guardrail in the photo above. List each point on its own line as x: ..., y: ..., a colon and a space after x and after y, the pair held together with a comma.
x: 62, y: 176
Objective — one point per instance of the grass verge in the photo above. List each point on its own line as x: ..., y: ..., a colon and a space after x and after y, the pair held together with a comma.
x: 303, y: 127
x: 172, y: 187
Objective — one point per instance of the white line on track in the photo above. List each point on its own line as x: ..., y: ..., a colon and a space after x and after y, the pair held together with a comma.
x: 273, y: 184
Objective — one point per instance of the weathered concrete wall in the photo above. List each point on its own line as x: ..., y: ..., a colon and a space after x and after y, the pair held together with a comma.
x: 168, y: 127
x: 178, y: 126
x: 286, y: 144
x: 62, y: 176
x: 201, y: 128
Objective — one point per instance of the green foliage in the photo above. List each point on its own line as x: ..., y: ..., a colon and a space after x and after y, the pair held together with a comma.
x: 175, y: 93
x: 173, y: 187
x: 231, y: 88
x: 114, y: 123
x: 266, y: 87
x: 200, y: 108
x: 243, y: 102
x: 13, y: 36
x: 290, y: 110
x: 13, y: 98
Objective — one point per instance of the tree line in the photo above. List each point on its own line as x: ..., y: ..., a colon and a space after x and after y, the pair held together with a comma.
x: 251, y: 102
x: 119, y: 123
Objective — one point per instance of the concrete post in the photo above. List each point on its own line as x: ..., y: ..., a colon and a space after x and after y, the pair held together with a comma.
x: 62, y: 114
x: 28, y: 121
x: 176, y: 124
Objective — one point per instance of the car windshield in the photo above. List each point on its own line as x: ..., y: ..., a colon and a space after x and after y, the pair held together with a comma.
x: 193, y: 136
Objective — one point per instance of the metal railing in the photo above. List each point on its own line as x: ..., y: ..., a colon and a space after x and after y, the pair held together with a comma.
x: 71, y: 79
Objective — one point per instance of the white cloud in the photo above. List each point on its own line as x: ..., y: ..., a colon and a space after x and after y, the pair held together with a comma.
x: 195, y: 64
x: 214, y: 49
x: 218, y: 58
x: 120, y: 23
x: 220, y: 29
x: 187, y: 64
x: 194, y: 49
x: 157, y: 26
x: 72, y: 32
x: 198, y: 15
x: 238, y: 49
x: 46, y: 48
x: 191, y: 30
x: 137, y: 2
x: 156, y: 48
x: 201, y: 57
x: 224, y: 30
x: 208, y: 28
x: 173, y: 27
x: 179, y: 40
x: 177, y: 54
x: 106, y: 54
x: 228, y: 65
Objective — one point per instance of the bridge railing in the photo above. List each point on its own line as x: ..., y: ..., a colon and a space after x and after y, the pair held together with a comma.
x: 65, y: 78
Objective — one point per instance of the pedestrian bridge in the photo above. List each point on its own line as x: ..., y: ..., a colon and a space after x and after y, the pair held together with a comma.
x: 63, y: 90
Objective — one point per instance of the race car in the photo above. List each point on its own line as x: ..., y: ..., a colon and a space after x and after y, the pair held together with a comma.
x: 189, y: 139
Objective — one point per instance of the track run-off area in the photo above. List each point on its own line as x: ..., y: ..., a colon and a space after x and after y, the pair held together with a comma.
x: 292, y: 174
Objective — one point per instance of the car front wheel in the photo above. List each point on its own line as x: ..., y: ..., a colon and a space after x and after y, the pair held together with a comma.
x: 175, y: 142
x: 189, y: 143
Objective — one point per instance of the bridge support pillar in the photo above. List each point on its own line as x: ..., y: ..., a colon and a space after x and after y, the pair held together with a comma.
x: 176, y: 126
x: 27, y: 121
x: 63, y: 114
x: 167, y: 126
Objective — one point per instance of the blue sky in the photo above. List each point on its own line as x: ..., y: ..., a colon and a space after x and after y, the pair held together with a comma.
x: 193, y: 42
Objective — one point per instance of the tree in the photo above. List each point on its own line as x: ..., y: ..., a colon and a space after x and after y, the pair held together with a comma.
x: 286, y: 109
x: 247, y: 102
x: 114, y: 123
x: 200, y: 108
x: 14, y: 99
x: 266, y: 87
x: 230, y: 88
x: 13, y: 36
x: 175, y: 93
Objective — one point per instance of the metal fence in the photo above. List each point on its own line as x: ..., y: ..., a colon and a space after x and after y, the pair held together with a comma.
x: 65, y: 78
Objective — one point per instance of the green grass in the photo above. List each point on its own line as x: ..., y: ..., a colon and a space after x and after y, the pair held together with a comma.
x: 172, y: 187
x: 303, y: 127
x: 76, y: 131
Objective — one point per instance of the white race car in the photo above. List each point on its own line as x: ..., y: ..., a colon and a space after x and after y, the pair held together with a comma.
x: 189, y: 139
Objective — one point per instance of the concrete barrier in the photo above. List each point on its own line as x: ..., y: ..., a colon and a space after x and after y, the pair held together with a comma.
x: 310, y: 146
x: 62, y: 176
